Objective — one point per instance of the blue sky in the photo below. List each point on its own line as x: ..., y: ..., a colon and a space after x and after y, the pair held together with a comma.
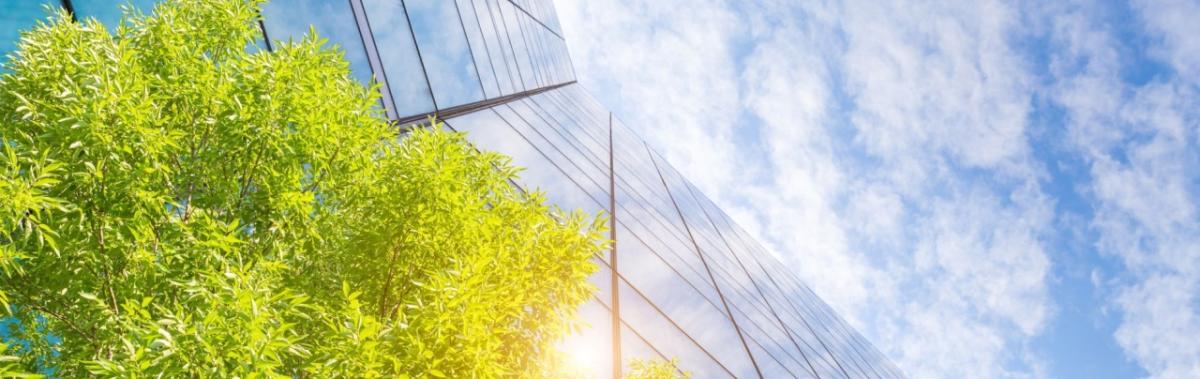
x: 984, y: 189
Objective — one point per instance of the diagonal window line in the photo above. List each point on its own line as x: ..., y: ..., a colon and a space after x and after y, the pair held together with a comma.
x: 706, y: 268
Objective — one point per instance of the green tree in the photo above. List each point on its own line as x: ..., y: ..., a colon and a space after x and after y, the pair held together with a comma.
x: 175, y: 203
x: 655, y: 369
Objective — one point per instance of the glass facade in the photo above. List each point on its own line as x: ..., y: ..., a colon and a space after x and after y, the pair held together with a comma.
x: 683, y: 281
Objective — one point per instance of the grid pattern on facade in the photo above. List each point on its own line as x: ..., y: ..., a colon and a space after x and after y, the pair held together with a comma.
x: 684, y: 280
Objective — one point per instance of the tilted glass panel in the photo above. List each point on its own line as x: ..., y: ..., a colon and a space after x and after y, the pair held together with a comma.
x: 445, y: 52
x: 801, y: 341
x: 109, y: 12
x: 701, y: 318
x: 588, y: 351
x: 497, y: 33
x: 561, y: 155
x: 670, y: 340
x: 487, y: 130
x: 548, y: 125
x: 398, y: 55
x: 19, y: 16
x: 536, y: 55
x: 577, y: 125
x: 740, y: 288
x: 635, y: 347
x: 479, y: 48
x: 332, y: 20
x: 516, y: 38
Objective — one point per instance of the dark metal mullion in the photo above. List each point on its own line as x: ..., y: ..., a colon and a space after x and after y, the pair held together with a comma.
x: 373, y: 58
x: 706, y: 268
x: 778, y: 319
x: 508, y: 37
x: 66, y: 4
x: 474, y: 62
x: 263, y: 27
x: 417, y: 46
x: 486, y: 49
x: 612, y: 235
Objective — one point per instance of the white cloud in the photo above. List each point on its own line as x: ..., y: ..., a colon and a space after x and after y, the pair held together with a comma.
x: 871, y: 115
x: 1140, y: 142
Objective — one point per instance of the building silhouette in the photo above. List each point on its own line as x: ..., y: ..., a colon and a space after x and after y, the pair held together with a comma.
x: 683, y: 282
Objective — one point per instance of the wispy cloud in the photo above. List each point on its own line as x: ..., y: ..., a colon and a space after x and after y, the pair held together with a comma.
x: 898, y: 155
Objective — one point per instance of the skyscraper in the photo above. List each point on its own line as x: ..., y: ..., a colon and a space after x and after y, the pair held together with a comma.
x: 683, y: 280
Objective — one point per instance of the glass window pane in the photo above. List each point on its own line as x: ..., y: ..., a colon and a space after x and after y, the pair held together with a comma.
x: 445, y: 52
x: 333, y: 20
x: 500, y: 55
x: 482, y: 54
x: 18, y: 16
x: 398, y: 55
x: 108, y: 12
x: 508, y: 14
x: 562, y: 184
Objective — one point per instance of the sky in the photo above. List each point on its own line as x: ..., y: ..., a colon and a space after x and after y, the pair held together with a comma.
x: 983, y: 189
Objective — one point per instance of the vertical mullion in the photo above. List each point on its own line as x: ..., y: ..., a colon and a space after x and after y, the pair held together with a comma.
x: 66, y: 4
x: 612, y: 235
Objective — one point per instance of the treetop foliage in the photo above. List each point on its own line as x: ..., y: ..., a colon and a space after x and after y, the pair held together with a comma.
x: 175, y: 202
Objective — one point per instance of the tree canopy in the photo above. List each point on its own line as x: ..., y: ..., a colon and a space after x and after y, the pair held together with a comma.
x: 175, y: 201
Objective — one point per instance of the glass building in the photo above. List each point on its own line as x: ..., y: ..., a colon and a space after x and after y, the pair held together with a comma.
x: 683, y: 281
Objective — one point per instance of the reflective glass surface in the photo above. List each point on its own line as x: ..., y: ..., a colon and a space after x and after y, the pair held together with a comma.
x: 480, y: 50
x: 445, y: 52
x: 397, y: 53
x: 332, y: 20
x: 692, y: 284
x: 18, y: 16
